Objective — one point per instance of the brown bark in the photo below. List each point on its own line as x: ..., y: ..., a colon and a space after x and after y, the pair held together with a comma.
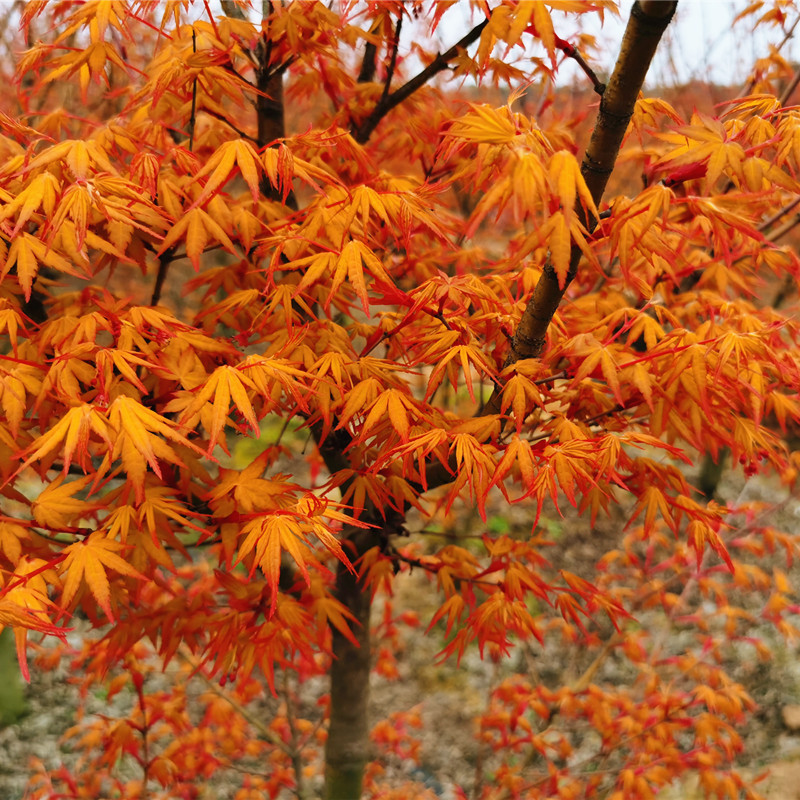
x: 365, y: 129
x: 271, y: 120
x: 270, y: 117
x: 348, y: 736
x: 647, y: 23
x: 346, y: 751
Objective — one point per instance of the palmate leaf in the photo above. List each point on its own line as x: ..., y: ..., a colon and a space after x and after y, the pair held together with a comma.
x: 42, y: 192
x: 348, y: 266
x: 161, y: 501
x: 87, y: 562
x: 468, y: 356
x: 24, y: 604
x: 329, y: 610
x: 246, y: 491
x: 12, y: 398
x: 219, y: 166
x: 139, y: 443
x: 518, y: 455
x: 195, y: 227
x: 71, y: 433
x: 392, y: 407
x: 568, y: 183
x: 27, y: 253
x: 223, y: 385
x: 295, y: 530
x: 57, y: 506
x: 267, y: 536
x: 475, y: 469
x: 79, y: 156
x: 12, y: 537
x: 521, y: 395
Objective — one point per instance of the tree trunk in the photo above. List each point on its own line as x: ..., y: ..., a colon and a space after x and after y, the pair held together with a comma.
x: 346, y: 752
x: 347, y: 748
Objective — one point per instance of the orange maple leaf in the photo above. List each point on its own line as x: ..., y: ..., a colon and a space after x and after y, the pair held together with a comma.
x: 86, y: 562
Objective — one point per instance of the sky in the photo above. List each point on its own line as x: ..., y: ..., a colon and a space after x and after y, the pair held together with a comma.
x: 700, y: 43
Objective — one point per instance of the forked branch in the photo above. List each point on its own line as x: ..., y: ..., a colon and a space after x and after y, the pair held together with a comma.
x: 647, y: 23
x: 389, y: 101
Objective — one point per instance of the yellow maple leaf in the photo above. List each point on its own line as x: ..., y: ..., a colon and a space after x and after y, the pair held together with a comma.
x: 24, y: 602
x: 219, y: 166
x: 72, y: 431
x: 223, y: 385
x: 86, y: 563
x: 138, y: 441
x: 194, y: 228
x: 27, y: 252
x: 42, y: 192
x: 56, y: 507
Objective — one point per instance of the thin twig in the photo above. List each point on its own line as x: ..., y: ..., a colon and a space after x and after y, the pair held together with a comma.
x: 550, y: 378
x: 164, y: 260
x: 792, y: 85
x: 572, y: 52
x: 228, y: 67
x: 778, y: 214
x: 282, y: 67
x: 582, y: 683
x: 193, y: 115
x: 783, y: 230
x: 433, y: 569
x: 263, y: 730
x: 789, y: 281
x: 144, y: 731
x: 223, y: 118
x: 783, y: 292
x: 438, y: 315
x: 748, y: 87
x: 392, y: 60
x: 363, y: 131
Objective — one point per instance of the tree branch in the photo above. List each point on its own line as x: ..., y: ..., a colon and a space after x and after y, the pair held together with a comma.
x: 572, y: 52
x: 392, y: 60
x: 164, y: 260
x: 767, y: 223
x: 370, y: 61
x: 363, y: 131
x: 647, y: 23
x: 193, y: 114
x: 369, y: 64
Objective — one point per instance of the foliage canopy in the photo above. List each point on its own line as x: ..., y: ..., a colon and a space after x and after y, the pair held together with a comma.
x: 279, y: 226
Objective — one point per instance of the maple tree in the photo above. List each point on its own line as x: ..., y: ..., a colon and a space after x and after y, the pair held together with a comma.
x: 428, y: 302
